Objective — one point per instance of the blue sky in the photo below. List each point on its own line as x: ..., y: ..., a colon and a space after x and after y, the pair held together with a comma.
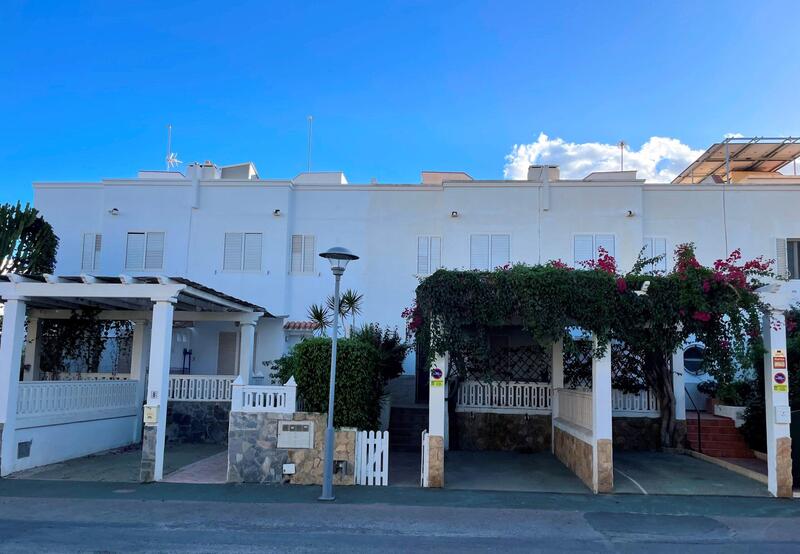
x: 87, y: 88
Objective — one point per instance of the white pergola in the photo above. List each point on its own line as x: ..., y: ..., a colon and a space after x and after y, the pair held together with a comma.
x: 152, y: 303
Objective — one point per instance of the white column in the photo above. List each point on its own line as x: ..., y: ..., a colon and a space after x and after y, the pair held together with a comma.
x: 556, y: 383
x: 678, y: 386
x: 10, y: 359
x: 247, y: 340
x: 32, y: 347
x: 779, y: 416
x: 437, y: 406
x: 158, y: 379
x: 601, y: 420
x: 139, y: 355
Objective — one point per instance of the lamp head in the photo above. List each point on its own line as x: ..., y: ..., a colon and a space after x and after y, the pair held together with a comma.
x: 339, y: 257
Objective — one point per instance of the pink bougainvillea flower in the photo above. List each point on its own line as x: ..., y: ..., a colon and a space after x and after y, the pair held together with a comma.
x: 622, y: 285
x: 702, y: 316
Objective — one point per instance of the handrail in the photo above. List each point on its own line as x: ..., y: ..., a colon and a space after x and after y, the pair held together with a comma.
x: 699, y: 431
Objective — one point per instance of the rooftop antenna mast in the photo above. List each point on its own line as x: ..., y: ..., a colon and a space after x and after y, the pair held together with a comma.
x: 172, y: 158
x: 622, y: 146
x: 310, y: 133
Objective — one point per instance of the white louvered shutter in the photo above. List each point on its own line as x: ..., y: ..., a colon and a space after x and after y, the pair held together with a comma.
x: 479, y: 252
x: 660, y: 249
x: 90, y: 257
x: 606, y: 242
x: 781, y: 259
x: 232, y: 257
x: 423, y: 255
x: 134, y: 251
x: 154, y: 255
x: 583, y: 248
x: 297, y: 253
x: 252, y: 252
x: 435, y: 254
x: 501, y: 250
x: 308, y: 253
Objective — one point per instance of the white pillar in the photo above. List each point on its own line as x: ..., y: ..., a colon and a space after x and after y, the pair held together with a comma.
x: 602, y: 453
x: 437, y: 407
x: 32, y: 349
x: 10, y: 360
x: 556, y: 383
x: 157, y: 391
x: 778, y: 412
x: 678, y: 386
x: 139, y: 355
x: 247, y: 340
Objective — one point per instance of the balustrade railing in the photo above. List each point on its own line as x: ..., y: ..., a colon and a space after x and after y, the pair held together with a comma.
x: 575, y: 406
x: 259, y: 398
x: 66, y: 398
x: 504, y: 396
x: 639, y: 403
x: 200, y: 388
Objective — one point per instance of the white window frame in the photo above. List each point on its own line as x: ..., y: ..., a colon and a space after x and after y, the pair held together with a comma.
x: 490, y: 235
x: 97, y: 240
x: 792, y: 272
x: 594, y: 236
x: 303, y: 269
x: 242, y: 250
x: 663, y: 264
x: 430, y: 269
x: 144, y: 250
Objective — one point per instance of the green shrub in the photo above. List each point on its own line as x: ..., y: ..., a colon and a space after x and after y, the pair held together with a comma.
x: 391, y: 348
x: 359, y: 383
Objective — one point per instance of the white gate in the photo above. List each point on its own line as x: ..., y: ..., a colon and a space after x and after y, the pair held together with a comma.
x: 372, y: 458
x: 423, y: 470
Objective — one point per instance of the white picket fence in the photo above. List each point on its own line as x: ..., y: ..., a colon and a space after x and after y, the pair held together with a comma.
x: 200, y: 388
x: 257, y: 398
x: 372, y: 458
x: 575, y: 406
x: 51, y: 402
x: 504, y: 397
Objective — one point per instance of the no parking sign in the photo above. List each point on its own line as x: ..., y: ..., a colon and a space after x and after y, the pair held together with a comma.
x: 437, y: 377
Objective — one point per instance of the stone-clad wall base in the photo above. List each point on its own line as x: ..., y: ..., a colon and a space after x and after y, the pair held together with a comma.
x: 503, y: 432
x: 254, y: 456
x: 575, y: 454
x: 435, y: 461
x: 784, y: 462
x: 636, y: 433
x: 605, y: 466
x: 198, y: 422
x: 147, y: 469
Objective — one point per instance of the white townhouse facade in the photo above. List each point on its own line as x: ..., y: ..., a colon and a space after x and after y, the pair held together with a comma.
x: 259, y: 239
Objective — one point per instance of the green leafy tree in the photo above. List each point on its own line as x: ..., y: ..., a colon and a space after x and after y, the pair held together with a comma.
x: 27, y: 242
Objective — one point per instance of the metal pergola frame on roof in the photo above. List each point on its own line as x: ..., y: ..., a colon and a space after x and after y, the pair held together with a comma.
x: 758, y: 154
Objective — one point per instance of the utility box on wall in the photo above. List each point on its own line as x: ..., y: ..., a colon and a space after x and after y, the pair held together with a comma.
x: 296, y: 434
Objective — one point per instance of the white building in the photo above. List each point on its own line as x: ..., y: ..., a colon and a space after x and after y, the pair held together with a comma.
x: 258, y: 239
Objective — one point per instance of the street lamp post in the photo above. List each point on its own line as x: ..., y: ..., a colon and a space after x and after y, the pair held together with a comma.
x: 339, y: 258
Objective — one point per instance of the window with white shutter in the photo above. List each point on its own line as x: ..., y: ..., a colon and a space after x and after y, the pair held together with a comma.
x: 586, y: 247
x: 429, y: 255
x: 90, y: 257
x: 654, y: 246
x: 144, y: 251
x: 487, y: 252
x: 302, y: 254
x: 242, y: 252
x: 791, y: 260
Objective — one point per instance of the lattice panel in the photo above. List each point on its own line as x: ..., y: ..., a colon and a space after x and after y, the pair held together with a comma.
x: 528, y: 364
x: 625, y: 367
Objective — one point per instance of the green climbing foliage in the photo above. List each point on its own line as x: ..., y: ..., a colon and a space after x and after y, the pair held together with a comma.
x: 27, y: 242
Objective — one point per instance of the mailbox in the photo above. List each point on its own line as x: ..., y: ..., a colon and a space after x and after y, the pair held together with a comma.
x: 296, y: 434
x: 150, y: 415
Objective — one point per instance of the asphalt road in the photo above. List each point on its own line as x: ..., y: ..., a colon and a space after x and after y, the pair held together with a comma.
x: 161, y: 518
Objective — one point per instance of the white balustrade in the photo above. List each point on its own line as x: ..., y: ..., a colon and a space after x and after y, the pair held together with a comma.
x: 504, y: 397
x: 86, y: 376
x: 639, y: 404
x: 260, y: 399
x: 200, y: 388
x: 50, y: 402
x: 575, y: 406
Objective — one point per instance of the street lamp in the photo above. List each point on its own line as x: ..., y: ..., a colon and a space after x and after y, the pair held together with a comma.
x: 339, y: 258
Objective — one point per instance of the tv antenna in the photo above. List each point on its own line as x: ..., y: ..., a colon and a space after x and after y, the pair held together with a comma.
x: 622, y: 144
x: 172, y: 158
x: 310, y: 133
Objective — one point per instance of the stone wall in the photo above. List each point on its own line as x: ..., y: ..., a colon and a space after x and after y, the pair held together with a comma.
x: 575, y: 454
x: 147, y: 467
x: 254, y: 456
x: 636, y: 433
x: 503, y: 432
x: 198, y: 422
x: 435, y: 461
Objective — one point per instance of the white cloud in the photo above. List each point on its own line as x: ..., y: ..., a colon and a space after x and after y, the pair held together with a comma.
x: 659, y: 159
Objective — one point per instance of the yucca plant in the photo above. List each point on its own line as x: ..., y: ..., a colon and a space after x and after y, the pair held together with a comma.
x: 321, y: 317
